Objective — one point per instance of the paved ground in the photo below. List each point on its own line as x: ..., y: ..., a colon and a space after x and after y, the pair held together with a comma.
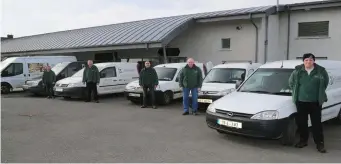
x: 41, y: 130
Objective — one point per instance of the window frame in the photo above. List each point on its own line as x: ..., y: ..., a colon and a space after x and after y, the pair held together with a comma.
x: 222, y: 43
x: 14, y: 67
x: 311, y: 31
x: 115, y: 72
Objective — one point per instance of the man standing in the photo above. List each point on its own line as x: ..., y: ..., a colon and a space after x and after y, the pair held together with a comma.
x: 309, y: 82
x: 91, y: 78
x: 49, y: 79
x: 190, y: 81
x: 148, y: 81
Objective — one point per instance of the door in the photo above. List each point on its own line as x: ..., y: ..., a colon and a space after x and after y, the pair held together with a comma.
x: 14, y: 75
x: 109, y: 82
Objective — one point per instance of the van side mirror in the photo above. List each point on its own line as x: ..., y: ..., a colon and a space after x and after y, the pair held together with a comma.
x: 238, y: 83
x: 177, y: 79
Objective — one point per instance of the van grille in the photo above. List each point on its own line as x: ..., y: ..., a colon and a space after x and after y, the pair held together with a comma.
x: 234, y: 114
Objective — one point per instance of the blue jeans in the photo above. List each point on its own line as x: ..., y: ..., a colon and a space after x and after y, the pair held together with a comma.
x: 194, y: 92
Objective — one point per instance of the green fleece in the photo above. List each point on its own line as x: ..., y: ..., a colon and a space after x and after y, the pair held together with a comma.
x: 49, y: 77
x: 309, y: 88
x: 148, y: 77
x: 91, y: 74
x: 190, y: 77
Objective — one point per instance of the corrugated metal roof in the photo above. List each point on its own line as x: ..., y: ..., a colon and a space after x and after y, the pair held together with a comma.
x: 137, y: 32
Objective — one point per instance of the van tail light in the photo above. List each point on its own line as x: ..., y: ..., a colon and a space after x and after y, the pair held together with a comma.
x: 205, y: 69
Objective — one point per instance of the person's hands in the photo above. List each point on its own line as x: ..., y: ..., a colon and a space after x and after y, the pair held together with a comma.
x: 199, y: 89
x: 155, y: 86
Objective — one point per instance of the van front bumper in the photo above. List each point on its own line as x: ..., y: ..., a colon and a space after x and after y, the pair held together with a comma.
x: 269, y: 129
x: 35, y: 89
x: 74, y: 92
x: 137, y: 96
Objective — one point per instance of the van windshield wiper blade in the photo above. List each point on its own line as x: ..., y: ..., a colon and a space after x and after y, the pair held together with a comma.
x: 257, y: 92
x: 282, y: 93
x: 214, y: 81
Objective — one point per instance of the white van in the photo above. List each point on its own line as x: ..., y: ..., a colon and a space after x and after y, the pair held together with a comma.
x: 114, y: 76
x: 222, y: 79
x: 15, y: 71
x: 262, y: 105
x: 168, y: 88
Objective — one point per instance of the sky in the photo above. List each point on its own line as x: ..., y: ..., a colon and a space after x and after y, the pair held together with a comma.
x: 30, y: 17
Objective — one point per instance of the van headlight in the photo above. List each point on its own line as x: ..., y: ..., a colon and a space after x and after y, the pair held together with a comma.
x: 76, y: 85
x: 211, y: 108
x: 266, y: 115
x: 226, y: 91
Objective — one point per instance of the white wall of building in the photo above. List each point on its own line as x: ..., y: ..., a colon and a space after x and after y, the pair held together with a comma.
x: 203, y: 41
x: 321, y: 47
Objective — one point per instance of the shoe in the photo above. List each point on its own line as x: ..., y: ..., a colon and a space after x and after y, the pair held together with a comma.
x: 143, y: 106
x: 87, y: 101
x: 154, y: 107
x: 185, y: 113
x: 320, y: 148
x: 96, y: 101
x: 48, y: 97
x: 301, y: 144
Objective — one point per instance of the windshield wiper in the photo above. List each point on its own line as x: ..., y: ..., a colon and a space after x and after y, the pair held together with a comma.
x: 214, y: 82
x: 257, y: 92
x: 165, y: 79
x: 282, y: 93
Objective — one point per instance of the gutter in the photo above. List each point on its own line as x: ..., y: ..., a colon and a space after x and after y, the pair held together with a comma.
x: 257, y: 33
x: 288, y: 33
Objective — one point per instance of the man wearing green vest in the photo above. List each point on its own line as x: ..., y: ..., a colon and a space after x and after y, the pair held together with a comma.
x: 91, y: 78
x: 49, y: 79
x: 309, y: 82
x: 148, y: 80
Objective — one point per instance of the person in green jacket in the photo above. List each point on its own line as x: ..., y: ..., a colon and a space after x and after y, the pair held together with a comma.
x: 309, y: 82
x: 49, y: 79
x: 91, y: 78
x: 190, y: 80
x: 148, y: 80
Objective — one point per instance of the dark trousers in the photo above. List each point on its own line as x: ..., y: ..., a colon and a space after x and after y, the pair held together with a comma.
x: 49, y: 89
x: 92, y: 89
x: 145, y: 93
x: 314, y: 110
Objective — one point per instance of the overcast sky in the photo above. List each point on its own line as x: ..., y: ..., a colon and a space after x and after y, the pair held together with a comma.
x: 29, y: 17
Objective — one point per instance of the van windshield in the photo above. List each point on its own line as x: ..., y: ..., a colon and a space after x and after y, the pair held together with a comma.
x: 165, y: 74
x: 225, y: 75
x: 268, y: 81
x: 79, y: 73
x: 59, y: 67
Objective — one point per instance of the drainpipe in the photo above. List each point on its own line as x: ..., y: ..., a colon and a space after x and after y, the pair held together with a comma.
x: 266, y: 38
x: 164, y: 55
x: 288, y: 33
x: 256, y: 28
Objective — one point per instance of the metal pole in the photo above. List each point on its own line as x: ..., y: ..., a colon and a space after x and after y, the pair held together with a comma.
x: 277, y: 5
x: 164, y: 55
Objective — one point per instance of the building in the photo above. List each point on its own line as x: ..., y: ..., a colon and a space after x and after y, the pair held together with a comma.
x: 258, y: 34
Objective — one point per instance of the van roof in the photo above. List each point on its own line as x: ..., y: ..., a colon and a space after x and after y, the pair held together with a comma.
x: 175, y: 65
x: 291, y: 64
x: 108, y: 64
x: 236, y: 65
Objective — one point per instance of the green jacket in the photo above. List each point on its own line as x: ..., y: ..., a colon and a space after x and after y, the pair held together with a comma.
x: 49, y: 77
x: 91, y: 74
x: 190, y: 77
x: 148, y: 77
x: 320, y: 73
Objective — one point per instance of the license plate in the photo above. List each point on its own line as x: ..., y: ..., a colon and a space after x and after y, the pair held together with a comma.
x: 134, y: 95
x: 59, y: 89
x: 231, y: 124
x: 25, y: 86
x: 209, y: 101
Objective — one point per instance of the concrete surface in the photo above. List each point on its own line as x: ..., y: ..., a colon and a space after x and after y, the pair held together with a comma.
x: 42, y: 130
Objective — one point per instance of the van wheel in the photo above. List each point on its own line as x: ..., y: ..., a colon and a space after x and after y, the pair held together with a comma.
x: 338, y: 118
x: 289, y: 133
x: 167, y: 98
x: 5, y: 88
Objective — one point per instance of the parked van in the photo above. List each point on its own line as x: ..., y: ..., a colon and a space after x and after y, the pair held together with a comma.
x: 15, y: 71
x: 114, y: 76
x: 168, y: 88
x: 222, y: 79
x: 62, y: 70
x: 262, y: 105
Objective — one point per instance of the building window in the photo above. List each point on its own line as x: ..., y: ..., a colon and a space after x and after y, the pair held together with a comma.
x: 226, y: 43
x: 313, y: 29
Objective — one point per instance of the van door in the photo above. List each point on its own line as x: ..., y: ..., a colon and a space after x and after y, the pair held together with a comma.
x: 109, y: 82
x: 14, y: 75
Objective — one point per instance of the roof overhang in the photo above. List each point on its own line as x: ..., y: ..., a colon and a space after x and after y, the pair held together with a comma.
x: 87, y: 49
x: 228, y: 18
x: 308, y: 6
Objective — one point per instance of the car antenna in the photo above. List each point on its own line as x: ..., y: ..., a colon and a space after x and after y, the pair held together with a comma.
x: 282, y: 64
